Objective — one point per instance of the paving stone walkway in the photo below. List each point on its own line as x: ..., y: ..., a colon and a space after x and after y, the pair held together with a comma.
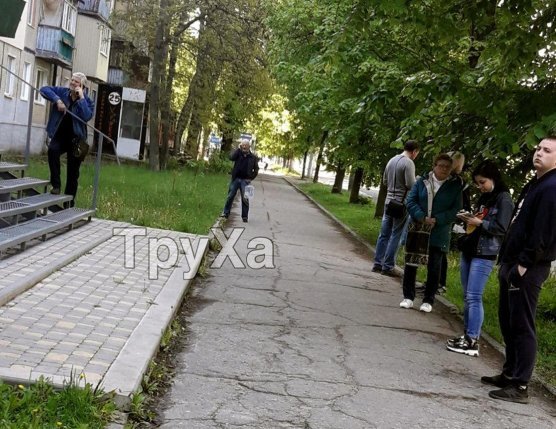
x: 96, y: 304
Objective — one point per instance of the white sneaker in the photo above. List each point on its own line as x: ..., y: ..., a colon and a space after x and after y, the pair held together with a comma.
x: 406, y: 303
x: 426, y: 307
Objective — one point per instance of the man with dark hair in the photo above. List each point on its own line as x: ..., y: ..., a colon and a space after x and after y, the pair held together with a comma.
x: 398, y: 177
x: 246, y: 168
x: 525, y: 259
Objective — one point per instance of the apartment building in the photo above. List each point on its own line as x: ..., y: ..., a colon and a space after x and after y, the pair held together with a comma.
x: 53, y: 39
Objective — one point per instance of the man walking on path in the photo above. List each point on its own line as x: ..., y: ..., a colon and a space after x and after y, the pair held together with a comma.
x: 246, y: 168
x: 525, y: 258
x: 398, y: 177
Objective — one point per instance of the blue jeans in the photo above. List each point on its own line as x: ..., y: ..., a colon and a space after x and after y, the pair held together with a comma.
x: 389, y: 241
x: 232, y: 191
x: 474, y: 274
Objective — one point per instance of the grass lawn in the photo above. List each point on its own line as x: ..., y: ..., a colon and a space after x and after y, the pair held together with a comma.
x: 180, y: 200
x: 360, y: 218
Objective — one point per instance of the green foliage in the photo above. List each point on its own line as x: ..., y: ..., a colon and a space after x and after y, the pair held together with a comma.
x: 467, y: 76
x: 40, y: 406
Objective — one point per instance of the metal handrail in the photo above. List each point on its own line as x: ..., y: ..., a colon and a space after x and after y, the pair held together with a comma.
x: 102, y: 136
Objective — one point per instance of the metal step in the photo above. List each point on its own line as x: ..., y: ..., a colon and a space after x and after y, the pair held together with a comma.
x: 11, y: 166
x: 40, y: 227
x: 13, y: 185
x: 30, y: 204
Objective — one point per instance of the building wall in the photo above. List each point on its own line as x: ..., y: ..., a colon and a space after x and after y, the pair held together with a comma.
x: 87, y: 58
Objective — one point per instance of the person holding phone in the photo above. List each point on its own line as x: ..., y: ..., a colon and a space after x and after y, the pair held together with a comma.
x: 479, y: 249
x: 64, y: 130
x: 246, y: 168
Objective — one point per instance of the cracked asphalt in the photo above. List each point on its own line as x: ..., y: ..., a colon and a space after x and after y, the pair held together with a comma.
x: 320, y: 342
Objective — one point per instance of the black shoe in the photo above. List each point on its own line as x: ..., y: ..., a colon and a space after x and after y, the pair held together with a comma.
x: 224, y: 215
x: 466, y: 345
x: 512, y: 393
x: 389, y: 273
x: 244, y: 219
x: 55, y: 191
x: 499, y: 380
x: 377, y: 269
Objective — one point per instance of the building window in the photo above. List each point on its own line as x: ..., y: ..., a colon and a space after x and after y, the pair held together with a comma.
x: 31, y: 12
x: 27, y: 70
x: 10, y: 78
x: 40, y: 81
x: 104, y: 40
x: 69, y: 18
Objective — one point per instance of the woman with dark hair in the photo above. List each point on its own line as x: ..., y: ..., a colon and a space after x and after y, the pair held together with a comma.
x: 479, y: 248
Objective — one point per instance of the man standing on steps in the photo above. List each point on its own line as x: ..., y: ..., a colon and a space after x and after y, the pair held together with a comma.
x: 65, y: 131
x: 399, y: 177
x: 525, y: 259
x: 246, y: 168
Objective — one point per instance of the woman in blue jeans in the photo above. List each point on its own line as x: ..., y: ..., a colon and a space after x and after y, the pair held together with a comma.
x: 479, y: 248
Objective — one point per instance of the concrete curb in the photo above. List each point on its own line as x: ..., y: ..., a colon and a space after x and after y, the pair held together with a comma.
x: 399, y: 271
x: 126, y: 373
x: 17, y: 288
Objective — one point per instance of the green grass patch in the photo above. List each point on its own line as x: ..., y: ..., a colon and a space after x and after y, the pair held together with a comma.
x: 187, y: 200
x: 361, y: 219
x: 40, y: 406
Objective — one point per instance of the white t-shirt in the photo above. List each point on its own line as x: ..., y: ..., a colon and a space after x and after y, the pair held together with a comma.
x: 436, y: 184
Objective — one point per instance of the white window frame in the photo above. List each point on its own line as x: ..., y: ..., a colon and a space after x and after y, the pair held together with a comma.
x: 69, y: 18
x: 31, y: 13
x: 27, y: 74
x: 38, y: 84
x: 104, y: 40
x: 10, y: 78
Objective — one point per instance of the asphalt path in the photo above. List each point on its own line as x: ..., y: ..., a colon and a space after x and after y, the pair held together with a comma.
x: 319, y: 341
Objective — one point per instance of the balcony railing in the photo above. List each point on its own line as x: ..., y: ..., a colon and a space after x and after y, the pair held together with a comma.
x: 99, y: 8
x: 55, y: 45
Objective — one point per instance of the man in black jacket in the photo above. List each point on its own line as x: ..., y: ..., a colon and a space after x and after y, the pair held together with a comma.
x: 246, y: 168
x: 525, y: 259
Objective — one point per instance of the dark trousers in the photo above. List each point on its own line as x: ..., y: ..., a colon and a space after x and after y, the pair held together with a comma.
x: 56, y: 148
x: 433, y: 275
x: 516, y: 314
x: 235, y: 185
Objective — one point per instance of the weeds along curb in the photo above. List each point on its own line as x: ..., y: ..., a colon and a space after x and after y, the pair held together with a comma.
x: 487, y: 338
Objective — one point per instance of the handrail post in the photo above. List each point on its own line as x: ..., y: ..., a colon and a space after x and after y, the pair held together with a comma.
x: 97, y: 171
x: 29, y: 124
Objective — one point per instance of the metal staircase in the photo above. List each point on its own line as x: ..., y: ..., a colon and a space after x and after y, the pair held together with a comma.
x: 28, y: 212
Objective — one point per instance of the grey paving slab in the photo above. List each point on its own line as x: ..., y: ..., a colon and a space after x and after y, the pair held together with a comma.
x: 100, y: 307
x: 319, y: 341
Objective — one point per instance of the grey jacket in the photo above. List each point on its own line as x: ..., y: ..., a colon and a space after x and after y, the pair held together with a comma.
x: 398, y: 177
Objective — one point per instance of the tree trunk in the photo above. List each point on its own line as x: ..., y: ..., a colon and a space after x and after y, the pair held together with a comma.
x: 165, y: 107
x: 351, y: 178
x: 379, y: 209
x: 158, y: 66
x: 339, y: 180
x: 304, y: 164
x: 357, y: 176
x: 227, y: 141
x: 319, y: 157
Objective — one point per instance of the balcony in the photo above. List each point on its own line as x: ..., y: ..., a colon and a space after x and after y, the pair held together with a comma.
x: 55, y: 45
x: 97, y: 8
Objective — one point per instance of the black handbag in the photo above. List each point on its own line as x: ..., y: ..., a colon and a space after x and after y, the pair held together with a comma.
x: 80, y: 148
x: 395, y: 209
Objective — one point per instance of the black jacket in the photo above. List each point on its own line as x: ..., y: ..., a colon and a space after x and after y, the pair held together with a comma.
x: 246, y: 165
x: 531, y: 239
